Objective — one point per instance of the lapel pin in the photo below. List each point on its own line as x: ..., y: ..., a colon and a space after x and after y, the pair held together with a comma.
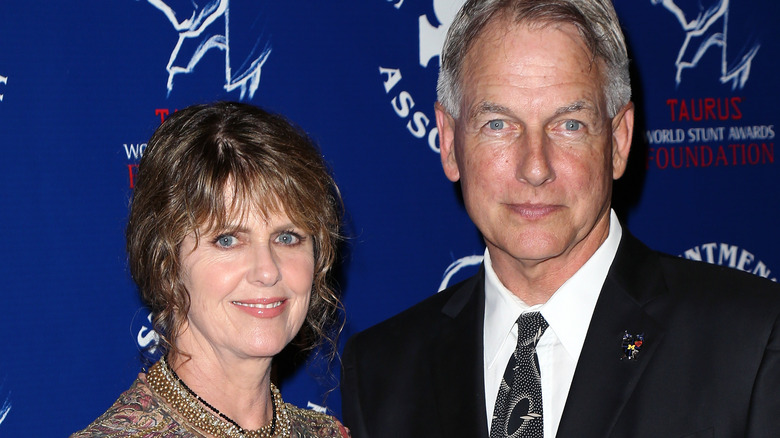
x: 632, y: 345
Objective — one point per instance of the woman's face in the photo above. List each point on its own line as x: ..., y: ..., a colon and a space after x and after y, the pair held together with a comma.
x: 249, y: 287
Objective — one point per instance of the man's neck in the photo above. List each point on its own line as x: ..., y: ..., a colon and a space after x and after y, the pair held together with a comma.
x: 535, y: 281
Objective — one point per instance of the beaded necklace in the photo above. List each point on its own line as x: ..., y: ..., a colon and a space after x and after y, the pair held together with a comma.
x: 164, y: 381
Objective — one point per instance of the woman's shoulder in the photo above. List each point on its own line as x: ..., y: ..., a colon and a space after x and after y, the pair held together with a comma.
x: 136, y: 413
x: 309, y: 423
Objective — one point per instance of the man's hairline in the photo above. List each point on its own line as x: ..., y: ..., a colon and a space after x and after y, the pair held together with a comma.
x: 599, y: 62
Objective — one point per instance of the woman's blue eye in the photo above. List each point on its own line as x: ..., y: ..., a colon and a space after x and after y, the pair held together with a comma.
x: 572, y: 125
x: 226, y: 241
x: 288, y: 238
x: 496, y: 124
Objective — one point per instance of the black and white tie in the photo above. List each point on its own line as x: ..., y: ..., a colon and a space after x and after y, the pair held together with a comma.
x: 518, y: 411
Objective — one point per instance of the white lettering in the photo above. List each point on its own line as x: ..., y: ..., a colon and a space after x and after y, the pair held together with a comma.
x: 135, y: 151
x: 763, y: 132
x: 147, y: 336
x: 693, y: 254
x: 709, y: 248
x: 402, y: 105
x: 432, y: 140
x: 393, y: 76
x: 316, y: 407
x: 728, y: 252
x: 761, y: 270
x: 745, y: 258
x: 421, y: 122
x: 705, y: 134
x: 406, y: 104
x: 661, y: 136
x: 727, y: 256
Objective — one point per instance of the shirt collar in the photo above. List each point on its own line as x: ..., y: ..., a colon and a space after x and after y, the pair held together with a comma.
x: 568, y: 311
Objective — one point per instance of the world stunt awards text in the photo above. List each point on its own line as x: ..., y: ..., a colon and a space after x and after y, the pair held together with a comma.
x: 731, y: 143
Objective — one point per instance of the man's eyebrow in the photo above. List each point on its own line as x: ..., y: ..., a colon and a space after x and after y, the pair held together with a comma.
x: 487, y: 107
x: 574, y: 107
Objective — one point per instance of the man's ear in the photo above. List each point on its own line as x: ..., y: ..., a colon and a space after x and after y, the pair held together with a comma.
x: 622, y: 132
x: 446, y: 125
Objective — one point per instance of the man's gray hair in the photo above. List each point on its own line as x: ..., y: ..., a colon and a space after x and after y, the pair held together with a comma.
x: 595, y: 20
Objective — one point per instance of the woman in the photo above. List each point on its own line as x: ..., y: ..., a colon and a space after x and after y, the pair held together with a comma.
x: 231, y: 236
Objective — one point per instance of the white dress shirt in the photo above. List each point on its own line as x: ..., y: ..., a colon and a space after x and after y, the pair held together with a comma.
x: 568, y: 313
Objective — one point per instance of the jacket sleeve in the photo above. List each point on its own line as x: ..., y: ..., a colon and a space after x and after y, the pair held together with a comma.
x: 764, y: 417
x: 350, y: 394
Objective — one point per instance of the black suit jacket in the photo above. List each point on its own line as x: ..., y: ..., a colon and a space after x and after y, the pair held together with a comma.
x: 709, y: 365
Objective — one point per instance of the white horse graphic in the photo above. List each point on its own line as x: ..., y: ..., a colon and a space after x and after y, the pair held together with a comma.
x: 706, y: 28
x: 206, y: 26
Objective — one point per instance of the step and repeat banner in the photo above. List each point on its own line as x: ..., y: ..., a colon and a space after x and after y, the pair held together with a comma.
x: 84, y: 84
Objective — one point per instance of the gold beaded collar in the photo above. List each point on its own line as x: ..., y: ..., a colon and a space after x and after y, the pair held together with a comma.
x: 200, y: 414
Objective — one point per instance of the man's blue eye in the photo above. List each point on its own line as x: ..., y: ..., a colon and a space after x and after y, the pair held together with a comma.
x: 496, y: 124
x: 572, y: 125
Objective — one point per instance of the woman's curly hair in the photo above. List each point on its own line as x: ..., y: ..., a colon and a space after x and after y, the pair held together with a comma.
x: 206, y: 162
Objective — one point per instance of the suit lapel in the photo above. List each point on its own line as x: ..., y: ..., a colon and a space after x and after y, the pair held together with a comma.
x: 603, y: 382
x: 458, y: 375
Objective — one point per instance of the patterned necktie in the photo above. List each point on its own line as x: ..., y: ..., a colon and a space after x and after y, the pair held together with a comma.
x: 518, y: 411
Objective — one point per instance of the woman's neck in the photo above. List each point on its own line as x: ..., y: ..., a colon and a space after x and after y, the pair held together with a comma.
x: 238, y: 388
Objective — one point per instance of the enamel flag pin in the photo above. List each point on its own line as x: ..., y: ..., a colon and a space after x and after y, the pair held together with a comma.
x: 632, y: 345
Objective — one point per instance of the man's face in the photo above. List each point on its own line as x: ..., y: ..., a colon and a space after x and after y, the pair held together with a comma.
x: 533, y: 146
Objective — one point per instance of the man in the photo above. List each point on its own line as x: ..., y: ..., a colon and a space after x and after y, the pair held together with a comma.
x: 535, y: 122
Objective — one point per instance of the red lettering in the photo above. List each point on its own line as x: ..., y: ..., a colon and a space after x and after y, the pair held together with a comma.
x: 709, y: 108
x: 675, y: 164
x: 691, y: 155
x: 132, y: 170
x: 752, y: 147
x: 768, y: 152
x: 706, y: 150
x: 737, y: 113
x: 665, y: 159
x: 700, y: 117
x: 162, y: 112
x: 672, y: 103
x: 678, y: 157
x: 725, y: 106
x: 684, y: 111
x: 734, y: 148
x: 721, y: 157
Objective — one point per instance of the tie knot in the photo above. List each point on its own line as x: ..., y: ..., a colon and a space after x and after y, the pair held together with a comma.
x: 530, y: 327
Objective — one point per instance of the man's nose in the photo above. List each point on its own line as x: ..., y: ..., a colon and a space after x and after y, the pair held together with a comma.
x: 533, y: 154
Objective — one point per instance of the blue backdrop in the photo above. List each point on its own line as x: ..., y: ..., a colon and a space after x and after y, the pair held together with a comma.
x: 84, y: 84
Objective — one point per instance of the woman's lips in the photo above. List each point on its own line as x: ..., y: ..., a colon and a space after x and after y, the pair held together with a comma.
x: 262, y: 308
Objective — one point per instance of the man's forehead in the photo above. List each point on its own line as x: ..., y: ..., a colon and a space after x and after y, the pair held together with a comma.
x: 500, y: 27
x: 509, y: 54
x: 501, y: 41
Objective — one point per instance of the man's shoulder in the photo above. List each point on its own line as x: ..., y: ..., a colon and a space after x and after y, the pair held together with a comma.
x: 424, y: 317
x: 636, y: 266
x: 718, y: 281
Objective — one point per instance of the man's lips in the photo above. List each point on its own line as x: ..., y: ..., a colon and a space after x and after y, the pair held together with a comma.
x: 533, y: 211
